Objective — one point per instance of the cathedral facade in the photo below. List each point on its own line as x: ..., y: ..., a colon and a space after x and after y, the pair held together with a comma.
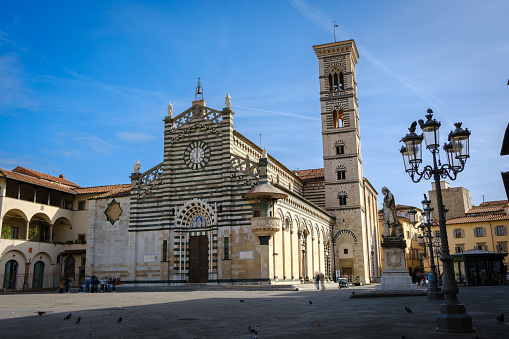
x: 219, y: 209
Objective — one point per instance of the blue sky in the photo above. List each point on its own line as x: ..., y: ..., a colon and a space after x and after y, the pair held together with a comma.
x: 84, y: 86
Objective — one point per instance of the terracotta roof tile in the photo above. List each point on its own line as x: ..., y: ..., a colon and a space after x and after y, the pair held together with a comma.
x: 311, y: 174
x: 39, y: 175
x: 35, y: 181
x: 119, y: 191
x: 48, y: 181
x: 478, y: 218
x: 101, y: 189
x: 496, y: 202
x: 484, y: 209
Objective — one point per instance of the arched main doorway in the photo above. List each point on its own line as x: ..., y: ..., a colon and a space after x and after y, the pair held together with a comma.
x: 38, y: 278
x: 11, y: 269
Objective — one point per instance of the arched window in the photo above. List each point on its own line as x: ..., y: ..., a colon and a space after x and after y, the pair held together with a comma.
x: 336, y: 81
x: 342, y: 198
x: 11, y: 268
x: 337, y: 118
x: 37, y: 280
x: 336, y: 85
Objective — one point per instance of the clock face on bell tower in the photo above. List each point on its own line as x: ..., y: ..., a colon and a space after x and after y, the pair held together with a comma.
x: 197, y: 155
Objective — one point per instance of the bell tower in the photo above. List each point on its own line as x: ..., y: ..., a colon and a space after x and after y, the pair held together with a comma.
x: 343, y: 180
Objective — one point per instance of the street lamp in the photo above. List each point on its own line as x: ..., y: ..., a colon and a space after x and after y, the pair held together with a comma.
x: 434, y: 292
x: 453, y: 316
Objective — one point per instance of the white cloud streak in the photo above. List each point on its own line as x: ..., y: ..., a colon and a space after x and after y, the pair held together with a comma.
x: 325, y: 22
x: 278, y: 113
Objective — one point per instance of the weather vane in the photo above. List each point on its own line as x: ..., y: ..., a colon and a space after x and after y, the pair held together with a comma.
x: 334, y: 22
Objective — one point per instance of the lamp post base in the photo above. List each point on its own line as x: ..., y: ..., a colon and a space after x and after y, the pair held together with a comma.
x: 435, y: 294
x: 454, y: 319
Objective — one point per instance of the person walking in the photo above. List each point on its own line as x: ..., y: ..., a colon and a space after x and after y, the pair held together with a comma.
x: 317, y: 281
x: 322, y: 280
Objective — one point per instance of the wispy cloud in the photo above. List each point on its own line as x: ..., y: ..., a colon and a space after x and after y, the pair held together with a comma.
x: 325, y: 22
x: 278, y: 113
x: 312, y: 14
x: 134, y: 136
x: 13, y: 90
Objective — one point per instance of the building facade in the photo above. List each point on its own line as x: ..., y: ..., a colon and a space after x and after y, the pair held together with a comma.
x: 43, y: 222
x: 220, y: 209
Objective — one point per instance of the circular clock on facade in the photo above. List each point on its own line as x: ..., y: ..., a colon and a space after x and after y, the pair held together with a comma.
x: 196, y: 155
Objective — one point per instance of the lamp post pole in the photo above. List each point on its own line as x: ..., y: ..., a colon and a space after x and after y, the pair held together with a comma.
x: 453, y: 317
x: 434, y: 291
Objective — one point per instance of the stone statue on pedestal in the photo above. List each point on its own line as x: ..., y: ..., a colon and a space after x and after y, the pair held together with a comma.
x: 390, y: 219
x: 395, y: 277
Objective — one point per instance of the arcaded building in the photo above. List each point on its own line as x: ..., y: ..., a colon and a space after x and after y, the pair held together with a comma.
x: 219, y: 209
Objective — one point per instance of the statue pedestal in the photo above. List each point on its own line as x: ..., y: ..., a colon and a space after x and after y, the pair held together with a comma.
x: 395, y: 278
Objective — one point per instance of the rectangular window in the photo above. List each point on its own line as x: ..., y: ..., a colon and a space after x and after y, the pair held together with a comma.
x: 459, y: 248
x: 226, y: 248
x: 502, y: 247
x: 437, y: 234
x: 14, y: 233
x: 458, y: 233
x: 83, y: 261
x: 81, y: 238
x: 479, y: 232
x: 341, y: 175
x: 81, y: 205
x: 165, y: 250
x: 500, y: 230
x: 481, y: 246
x: 256, y: 213
x: 340, y: 149
x: 345, y: 251
x: 68, y: 205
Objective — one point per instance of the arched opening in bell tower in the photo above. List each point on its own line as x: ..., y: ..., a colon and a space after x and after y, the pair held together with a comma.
x: 337, y: 118
x: 336, y: 81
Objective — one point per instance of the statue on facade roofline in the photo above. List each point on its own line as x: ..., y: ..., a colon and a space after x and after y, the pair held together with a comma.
x: 390, y: 219
x: 170, y: 110
x: 136, y: 167
x: 228, y: 101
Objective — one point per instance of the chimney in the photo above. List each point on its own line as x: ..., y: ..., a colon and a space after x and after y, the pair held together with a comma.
x: 61, y: 176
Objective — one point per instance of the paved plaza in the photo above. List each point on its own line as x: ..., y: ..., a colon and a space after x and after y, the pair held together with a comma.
x: 212, y: 313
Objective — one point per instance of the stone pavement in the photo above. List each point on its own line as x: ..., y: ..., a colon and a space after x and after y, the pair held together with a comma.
x: 201, y: 313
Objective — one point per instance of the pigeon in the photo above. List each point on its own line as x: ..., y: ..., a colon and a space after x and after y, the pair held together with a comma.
x: 40, y: 313
x: 408, y: 310
x: 241, y: 300
x: 68, y: 316
x: 252, y: 330
x: 353, y: 292
x: 500, y: 318
x: 403, y: 337
x: 119, y: 320
x: 310, y: 302
x: 78, y: 320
